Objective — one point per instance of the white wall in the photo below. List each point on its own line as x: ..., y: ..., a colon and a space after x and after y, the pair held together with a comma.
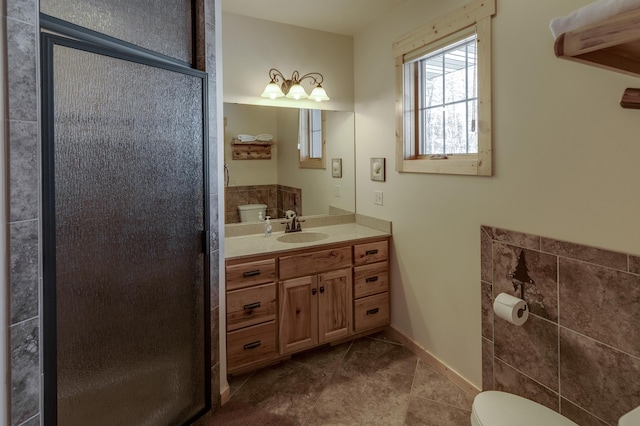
x: 251, y: 47
x: 565, y: 166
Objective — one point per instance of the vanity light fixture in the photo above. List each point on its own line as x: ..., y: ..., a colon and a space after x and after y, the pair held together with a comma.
x: 291, y: 88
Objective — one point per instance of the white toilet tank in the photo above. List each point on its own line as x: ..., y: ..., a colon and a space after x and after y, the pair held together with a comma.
x: 251, y: 212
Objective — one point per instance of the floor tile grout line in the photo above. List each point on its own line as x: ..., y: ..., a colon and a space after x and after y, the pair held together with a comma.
x: 329, y: 380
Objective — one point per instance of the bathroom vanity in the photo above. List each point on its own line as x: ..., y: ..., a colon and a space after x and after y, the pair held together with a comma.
x: 285, y: 297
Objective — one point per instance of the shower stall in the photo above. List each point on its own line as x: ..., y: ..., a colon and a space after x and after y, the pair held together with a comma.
x: 125, y: 229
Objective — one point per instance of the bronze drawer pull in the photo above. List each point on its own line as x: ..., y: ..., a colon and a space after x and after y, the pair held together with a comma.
x: 252, y: 345
x: 372, y: 311
x: 369, y: 252
x: 371, y: 279
x: 251, y: 306
x: 251, y: 273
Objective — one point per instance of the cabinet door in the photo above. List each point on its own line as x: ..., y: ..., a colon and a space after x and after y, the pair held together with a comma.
x: 334, y: 305
x: 298, y: 314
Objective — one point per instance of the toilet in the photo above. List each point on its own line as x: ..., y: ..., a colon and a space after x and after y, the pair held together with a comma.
x: 251, y: 212
x: 495, y: 408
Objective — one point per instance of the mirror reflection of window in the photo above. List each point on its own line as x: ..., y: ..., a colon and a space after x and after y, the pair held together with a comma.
x: 311, y: 138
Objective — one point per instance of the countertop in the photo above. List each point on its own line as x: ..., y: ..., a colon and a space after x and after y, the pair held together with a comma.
x: 257, y: 244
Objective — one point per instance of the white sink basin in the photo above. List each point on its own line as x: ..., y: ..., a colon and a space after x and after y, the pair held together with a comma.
x: 302, y: 237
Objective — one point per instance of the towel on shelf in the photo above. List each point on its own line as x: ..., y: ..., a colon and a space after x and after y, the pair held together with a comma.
x: 596, y: 11
x: 264, y: 137
x: 246, y: 138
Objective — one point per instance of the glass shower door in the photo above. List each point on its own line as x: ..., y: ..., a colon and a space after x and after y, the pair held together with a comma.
x: 126, y: 276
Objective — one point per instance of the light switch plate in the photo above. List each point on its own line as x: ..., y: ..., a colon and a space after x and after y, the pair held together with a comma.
x: 336, y: 190
x: 377, y: 197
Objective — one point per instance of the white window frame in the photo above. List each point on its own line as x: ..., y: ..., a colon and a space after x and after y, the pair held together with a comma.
x: 445, y: 30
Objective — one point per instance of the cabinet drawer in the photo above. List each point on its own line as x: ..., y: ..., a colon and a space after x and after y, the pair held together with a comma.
x: 371, y: 312
x: 250, y: 345
x: 370, y: 279
x: 251, y: 306
x: 370, y: 253
x: 314, y: 262
x: 250, y: 273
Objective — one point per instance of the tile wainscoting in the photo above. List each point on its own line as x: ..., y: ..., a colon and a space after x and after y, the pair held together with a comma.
x: 579, y: 351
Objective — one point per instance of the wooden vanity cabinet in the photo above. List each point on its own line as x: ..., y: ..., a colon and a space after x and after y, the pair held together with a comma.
x: 285, y: 303
x: 314, y: 309
x: 371, y: 285
x: 251, y: 313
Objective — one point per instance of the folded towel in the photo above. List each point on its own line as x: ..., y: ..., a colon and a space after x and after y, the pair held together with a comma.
x: 264, y: 137
x: 596, y: 11
x: 246, y: 138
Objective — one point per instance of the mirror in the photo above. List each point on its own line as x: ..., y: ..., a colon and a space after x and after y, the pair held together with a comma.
x: 269, y: 172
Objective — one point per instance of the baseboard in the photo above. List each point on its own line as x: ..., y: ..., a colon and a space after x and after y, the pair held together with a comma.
x: 225, y: 395
x: 434, y: 362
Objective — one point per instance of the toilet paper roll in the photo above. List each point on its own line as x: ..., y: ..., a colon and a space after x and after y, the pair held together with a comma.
x: 511, y: 309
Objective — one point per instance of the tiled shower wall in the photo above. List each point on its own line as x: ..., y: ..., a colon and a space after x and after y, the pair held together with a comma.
x: 278, y: 198
x: 22, y: 120
x: 579, y: 351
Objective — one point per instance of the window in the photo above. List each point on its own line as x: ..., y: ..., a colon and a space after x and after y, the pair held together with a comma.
x: 311, y: 139
x: 444, y: 94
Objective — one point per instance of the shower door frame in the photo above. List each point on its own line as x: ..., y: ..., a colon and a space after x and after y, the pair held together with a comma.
x: 119, y: 50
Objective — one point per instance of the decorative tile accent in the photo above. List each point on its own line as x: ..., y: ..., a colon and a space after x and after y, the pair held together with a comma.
x: 601, y: 303
x: 21, y: 63
x: 542, y: 295
x: 634, y: 264
x: 578, y: 415
x: 510, y: 380
x: 598, y: 256
x: 515, y: 238
x: 23, y: 170
x: 598, y: 377
x: 25, y: 371
x: 531, y: 348
x: 23, y: 242
x: 487, y: 310
x: 486, y: 257
x: 487, y: 365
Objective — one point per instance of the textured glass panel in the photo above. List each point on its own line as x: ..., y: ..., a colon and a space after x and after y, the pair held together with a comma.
x: 159, y: 25
x: 129, y: 217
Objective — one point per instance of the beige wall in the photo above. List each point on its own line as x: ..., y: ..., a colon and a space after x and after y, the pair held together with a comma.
x: 253, y: 46
x: 318, y: 184
x: 250, y: 120
x: 565, y: 166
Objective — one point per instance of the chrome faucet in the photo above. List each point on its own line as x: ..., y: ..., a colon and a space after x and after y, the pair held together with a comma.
x: 293, y: 222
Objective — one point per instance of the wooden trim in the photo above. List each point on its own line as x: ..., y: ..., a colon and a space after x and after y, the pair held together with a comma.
x: 444, y: 25
x: 448, y: 166
x: 434, y: 362
x: 485, y: 103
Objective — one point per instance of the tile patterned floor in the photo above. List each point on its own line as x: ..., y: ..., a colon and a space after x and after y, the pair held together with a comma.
x: 370, y: 381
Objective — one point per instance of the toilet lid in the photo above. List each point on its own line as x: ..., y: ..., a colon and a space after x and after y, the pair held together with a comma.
x: 494, y: 408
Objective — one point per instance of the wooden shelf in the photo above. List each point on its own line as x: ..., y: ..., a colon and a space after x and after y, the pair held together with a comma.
x: 612, y: 44
x: 256, y: 150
